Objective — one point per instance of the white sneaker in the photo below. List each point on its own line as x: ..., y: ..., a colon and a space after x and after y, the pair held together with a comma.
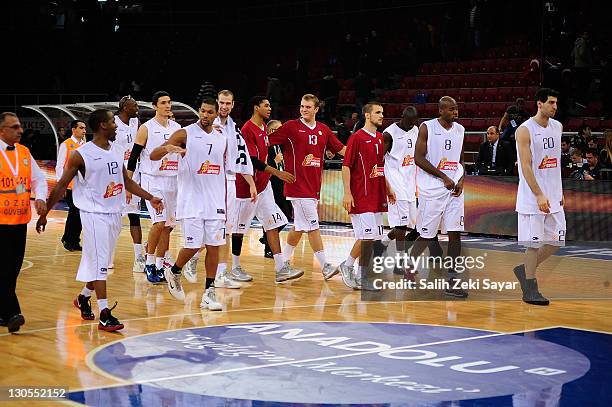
x: 168, y: 262
x: 239, y: 274
x: 329, y: 271
x: 223, y: 281
x: 288, y: 273
x: 139, y: 264
x: 190, y: 271
x: 348, y: 275
x: 209, y: 300
x: 174, y: 285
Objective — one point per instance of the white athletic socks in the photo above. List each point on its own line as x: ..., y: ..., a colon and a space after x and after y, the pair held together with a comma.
x: 350, y: 260
x: 279, y: 261
x: 288, y: 251
x: 150, y: 259
x: 86, y: 292
x: 320, y: 255
x: 102, y: 304
x: 221, y: 267
x: 159, y: 262
x: 138, y: 251
x: 235, y: 261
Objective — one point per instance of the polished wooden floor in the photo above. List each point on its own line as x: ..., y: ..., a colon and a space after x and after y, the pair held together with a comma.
x: 50, y: 350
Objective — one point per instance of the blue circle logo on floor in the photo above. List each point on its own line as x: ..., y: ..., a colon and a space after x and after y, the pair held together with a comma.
x: 337, y: 362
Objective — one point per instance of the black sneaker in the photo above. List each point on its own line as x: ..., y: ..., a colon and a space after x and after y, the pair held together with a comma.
x: 2, y: 322
x: 532, y: 295
x: 67, y: 246
x: 15, y: 322
x: 455, y: 292
x: 268, y: 254
x: 108, y: 322
x: 519, y: 272
x: 84, y: 305
x: 161, y: 275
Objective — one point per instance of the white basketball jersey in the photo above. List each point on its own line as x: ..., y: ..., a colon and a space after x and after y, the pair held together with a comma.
x: 444, y: 153
x: 201, y: 176
x: 126, y: 134
x: 102, y: 190
x: 545, y: 149
x: 400, y: 169
x: 156, y: 136
x: 229, y: 133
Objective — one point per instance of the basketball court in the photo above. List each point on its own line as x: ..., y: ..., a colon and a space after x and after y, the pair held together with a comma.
x: 310, y: 342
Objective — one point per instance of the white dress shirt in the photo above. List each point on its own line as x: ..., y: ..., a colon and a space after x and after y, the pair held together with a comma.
x: 61, y: 156
x: 39, y: 181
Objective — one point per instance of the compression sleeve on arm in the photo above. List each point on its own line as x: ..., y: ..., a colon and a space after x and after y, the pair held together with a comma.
x: 134, y: 155
x: 257, y: 164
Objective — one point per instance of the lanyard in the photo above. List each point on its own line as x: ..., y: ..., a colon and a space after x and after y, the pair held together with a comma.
x: 14, y: 170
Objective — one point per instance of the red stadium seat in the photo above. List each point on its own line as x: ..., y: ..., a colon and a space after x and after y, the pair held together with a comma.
x: 476, y: 95
x: 467, y: 109
x: 504, y: 94
x: 489, y: 95
x: 463, y: 95
x: 574, y: 123
x: 479, y: 124
x: 592, y: 122
x: 467, y: 123
x: 606, y: 124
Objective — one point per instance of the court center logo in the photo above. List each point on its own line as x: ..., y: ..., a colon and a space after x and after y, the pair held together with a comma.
x: 365, y: 363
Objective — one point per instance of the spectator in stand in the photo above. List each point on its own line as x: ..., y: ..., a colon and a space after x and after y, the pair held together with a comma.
x: 329, y: 94
x: 580, y: 139
x: 512, y: 119
x: 349, y: 124
x: 62, y: 134
x: 605, y: 156
x: 495, y: 156
x: 592, y: 167
x: 566, y: 156
x: 577, y: 164
x: 582, y: 59
x: 363, y: 91
x: 592, y: 143
x: 274, y: 91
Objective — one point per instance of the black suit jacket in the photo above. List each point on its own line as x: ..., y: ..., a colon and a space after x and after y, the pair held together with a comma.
x: 504, y: 157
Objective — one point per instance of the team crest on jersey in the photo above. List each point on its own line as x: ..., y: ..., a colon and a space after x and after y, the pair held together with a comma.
x: 168, y: 165
x: 548, y: 162
x: 208, y: 168
x: 408, y: 161
x: 377, y: 171
x: 445, y: 165
x: 311, y: 161
x: 112, y: 190
x: 126, y: 155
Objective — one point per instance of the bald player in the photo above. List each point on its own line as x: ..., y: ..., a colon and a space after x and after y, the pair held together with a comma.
x: 438, y: 154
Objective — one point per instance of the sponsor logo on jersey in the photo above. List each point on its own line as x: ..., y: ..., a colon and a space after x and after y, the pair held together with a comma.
x: 112, y: 190
x: 311, y: 161
x: 368, y: 230
x: 208, y: 168
x: 126, y: 155
x: 168, y: 165
x: 221, y: 211
x: 377, y: 171
x: 408, y: 161
x: 548, y: 162
x: 445, y: 165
